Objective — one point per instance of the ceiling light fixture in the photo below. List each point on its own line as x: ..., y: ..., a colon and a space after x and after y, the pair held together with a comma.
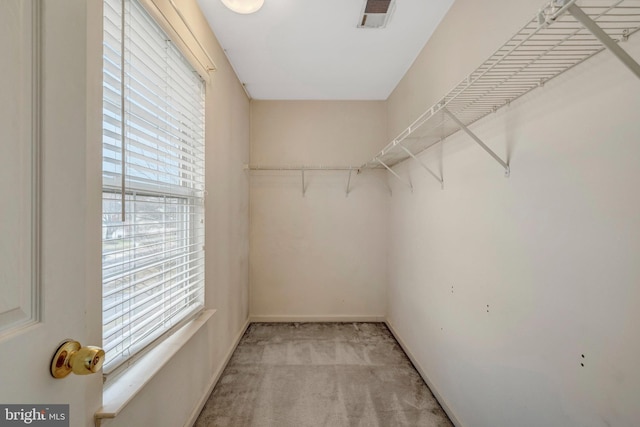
x: 243, y: 6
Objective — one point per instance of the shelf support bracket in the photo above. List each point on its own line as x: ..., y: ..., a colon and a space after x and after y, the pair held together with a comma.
x: 303, y: 187
x: 408, y: 183
x: 604, y: 38
x: 348, y: 182
x: 425, y: 167
x: 505, y: 165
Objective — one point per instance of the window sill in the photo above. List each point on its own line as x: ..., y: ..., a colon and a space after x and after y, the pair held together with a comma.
x: 122, y: 390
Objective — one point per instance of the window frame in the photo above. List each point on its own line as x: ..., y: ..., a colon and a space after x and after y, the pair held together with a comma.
x: 193, y: 197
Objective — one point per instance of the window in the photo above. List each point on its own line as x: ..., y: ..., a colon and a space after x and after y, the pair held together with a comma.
x: 153, y: 184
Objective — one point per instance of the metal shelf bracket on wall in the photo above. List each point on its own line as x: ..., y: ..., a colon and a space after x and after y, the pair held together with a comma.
x: 425, y: 167
x: 505, y: 165
x: 408, y: 183
x: 604, y: 38
x: 348, y: 182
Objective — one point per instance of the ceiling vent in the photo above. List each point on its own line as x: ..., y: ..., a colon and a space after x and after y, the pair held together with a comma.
x: 376, y: 13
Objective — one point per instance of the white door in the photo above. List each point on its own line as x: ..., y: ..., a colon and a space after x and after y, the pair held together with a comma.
x: 50, y: 117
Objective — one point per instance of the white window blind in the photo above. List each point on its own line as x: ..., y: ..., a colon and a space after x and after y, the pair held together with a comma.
x: 153, y: 184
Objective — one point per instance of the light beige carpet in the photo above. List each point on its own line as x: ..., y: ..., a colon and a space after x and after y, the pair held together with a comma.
x: 320, y: 374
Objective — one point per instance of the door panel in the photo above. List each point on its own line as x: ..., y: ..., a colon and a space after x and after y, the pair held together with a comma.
x: 18, y: 170
x: 64, y: 262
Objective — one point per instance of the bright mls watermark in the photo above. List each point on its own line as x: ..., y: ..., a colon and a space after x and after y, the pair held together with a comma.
x: 34, y: 415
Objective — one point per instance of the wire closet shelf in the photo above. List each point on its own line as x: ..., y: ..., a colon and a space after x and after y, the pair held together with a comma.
x: 563, y: 34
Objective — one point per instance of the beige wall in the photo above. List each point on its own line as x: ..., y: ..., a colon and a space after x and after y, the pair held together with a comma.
x: 499, y: 286
x: 321, y: 256
x: 173, y: 395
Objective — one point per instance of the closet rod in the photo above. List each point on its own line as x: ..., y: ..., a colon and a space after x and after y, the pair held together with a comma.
x: 300, y: 168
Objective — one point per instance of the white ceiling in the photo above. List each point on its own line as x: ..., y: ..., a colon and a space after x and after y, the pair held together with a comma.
x: 312, y: 49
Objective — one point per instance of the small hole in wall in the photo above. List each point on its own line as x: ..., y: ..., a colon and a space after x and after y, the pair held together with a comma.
x: 582, y: 364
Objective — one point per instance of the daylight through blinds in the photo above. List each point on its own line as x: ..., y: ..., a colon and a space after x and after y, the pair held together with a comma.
x: 153, y: 183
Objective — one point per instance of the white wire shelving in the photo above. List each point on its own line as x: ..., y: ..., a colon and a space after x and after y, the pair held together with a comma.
x: 563, y: 34
x: 302, y: 169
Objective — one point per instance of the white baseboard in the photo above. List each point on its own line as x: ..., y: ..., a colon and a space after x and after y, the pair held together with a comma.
x: 424, y: 376
x: 214, y: 380
x: 329, y: 318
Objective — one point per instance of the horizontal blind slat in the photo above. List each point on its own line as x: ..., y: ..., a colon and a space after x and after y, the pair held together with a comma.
x: 110, y: 344
x: 143, y: 307
x: 177, y: 291
x: 195, y: 280
x: 120, y: 289
x: 140, y: 341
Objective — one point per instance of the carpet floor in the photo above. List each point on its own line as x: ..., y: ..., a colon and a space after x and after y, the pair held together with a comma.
x: 320, y: 374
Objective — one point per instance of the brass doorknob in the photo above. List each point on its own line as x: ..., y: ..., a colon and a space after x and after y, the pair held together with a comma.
x: 72, y: 357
